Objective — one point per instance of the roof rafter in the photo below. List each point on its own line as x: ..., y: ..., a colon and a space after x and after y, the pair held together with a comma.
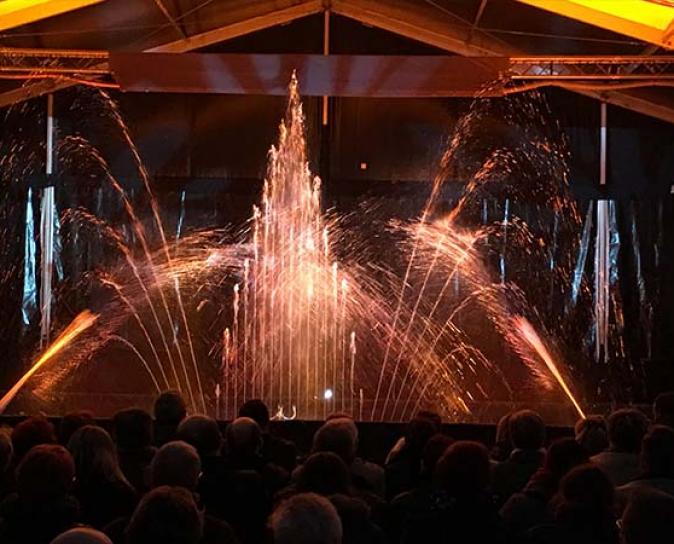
x: 172, y: 21
x: 423, y: 24
x: 414, y: 21
x: 270, y: 15
x: 427, y: 26
x: 243, y: 21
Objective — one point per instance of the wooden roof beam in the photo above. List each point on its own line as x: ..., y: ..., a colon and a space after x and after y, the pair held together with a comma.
x: 268, y: 16
x: 244, y: 20
x: 423, y: 23
x: 429, y: 26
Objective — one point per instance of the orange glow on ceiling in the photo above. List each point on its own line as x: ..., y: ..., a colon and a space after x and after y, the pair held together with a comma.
x: 645, y: 20
x: 15, y: 13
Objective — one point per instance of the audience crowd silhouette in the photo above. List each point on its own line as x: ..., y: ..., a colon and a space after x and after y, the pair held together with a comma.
x: 175, y: 478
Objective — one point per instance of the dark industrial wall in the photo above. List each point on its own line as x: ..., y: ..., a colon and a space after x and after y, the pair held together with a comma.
x: 401, y: 140
x: 212, y: 150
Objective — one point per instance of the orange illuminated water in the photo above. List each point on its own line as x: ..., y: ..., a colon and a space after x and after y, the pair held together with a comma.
x: 531, y: 336
x: 290, y: 310
x: 81, y: 323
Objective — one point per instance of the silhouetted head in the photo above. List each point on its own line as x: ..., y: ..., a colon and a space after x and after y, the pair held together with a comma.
x: 663, y: 409
x: 95, y: 455
x: 166, y: 515
x: 306, y: 518
x: 337, y: 436
x: 71, y: 422
x: 31, y: 432
x: 463, y: 469
x: 355, y: 515
x: 82, y: 535
x: 176, y: 464
x: 45, y: 474
x: 435, y: 448
x: 324, y: 473
x: 170, y: 408
x: 433, y: 417
x: 338, y: 415
x: 562, y: 455
x: 345, y: 420
x: 626, y: 430
x: 132, y: 429
x: 527, y: 430
x: 6, y: 449
x: 648, y: 519
x: 202, y: 432
x: 417, y: 433
x: 502, y: 445
x: 244, y: 438
x: 256, y: 410
x: 592, y: 434
x: 657, y: 452
x: 585, y: 493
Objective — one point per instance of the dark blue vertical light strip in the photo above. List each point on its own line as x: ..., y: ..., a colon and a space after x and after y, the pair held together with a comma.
x: 29, y: 300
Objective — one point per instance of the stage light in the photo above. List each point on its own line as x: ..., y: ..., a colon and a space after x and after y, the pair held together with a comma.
x: 15, y: 13
x: 647, y: 20
x: 327, y: 395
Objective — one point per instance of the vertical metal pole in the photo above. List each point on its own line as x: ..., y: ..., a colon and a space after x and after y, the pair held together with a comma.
x: 603, y: 136
x: 602, y: 276
x: 326, y: 52
x: 602, y: 253
x: 47, y: 232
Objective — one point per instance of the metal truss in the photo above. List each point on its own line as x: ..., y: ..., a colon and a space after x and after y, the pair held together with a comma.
x: 607, y: 68
x: 576, y: 72
x: 54, y: 69
x: 52, y: 61
x: 586, y: 68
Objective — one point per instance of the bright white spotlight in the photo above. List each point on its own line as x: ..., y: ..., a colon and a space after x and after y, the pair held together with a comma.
x: 327, y: 395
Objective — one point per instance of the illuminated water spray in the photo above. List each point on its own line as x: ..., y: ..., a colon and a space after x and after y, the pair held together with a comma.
x: 290, y: 340
x: 307, y: 321
x: 530, y: 335
x: 80, y: 324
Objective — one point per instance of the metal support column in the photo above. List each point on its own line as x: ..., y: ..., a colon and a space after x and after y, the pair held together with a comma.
x: 47, y: 209
x: 602, y: 251
x: 326, y: 52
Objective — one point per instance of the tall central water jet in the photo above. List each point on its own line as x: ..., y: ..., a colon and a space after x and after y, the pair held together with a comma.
x: 290, y: 340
